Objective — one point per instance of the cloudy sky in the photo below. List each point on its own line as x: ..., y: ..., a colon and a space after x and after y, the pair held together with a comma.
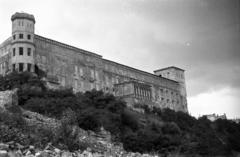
x: 200, y: 36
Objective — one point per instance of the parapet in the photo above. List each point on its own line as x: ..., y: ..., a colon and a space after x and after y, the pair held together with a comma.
x: 23, y: 16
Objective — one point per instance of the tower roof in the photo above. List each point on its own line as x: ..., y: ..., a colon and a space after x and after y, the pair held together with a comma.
x: 23, y: 16
x: 171, y: 67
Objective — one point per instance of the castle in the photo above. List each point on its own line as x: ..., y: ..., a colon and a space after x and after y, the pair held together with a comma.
x: 83, y: 70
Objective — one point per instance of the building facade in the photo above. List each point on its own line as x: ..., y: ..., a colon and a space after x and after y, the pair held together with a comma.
x: 213, y: 117
x: 83, y: 70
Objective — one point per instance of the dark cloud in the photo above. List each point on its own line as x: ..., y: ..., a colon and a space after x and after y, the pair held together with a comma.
x: 200, y: 36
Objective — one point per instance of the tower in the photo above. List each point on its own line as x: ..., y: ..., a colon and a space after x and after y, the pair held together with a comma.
x: 175, y: 74
x: 23, y: 48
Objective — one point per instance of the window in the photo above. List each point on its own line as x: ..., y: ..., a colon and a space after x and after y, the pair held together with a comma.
x: 97, y: 87
x: 14, y: 37
x: 76, y: 69
x: 113, y: 80
x: 58, y: 78
x: 29, y: 37
x: 0, y: 66
x: 29, y: 67
x: 97, y: 77
x: 20, y: 50
x: 4, y: 65
x: 38, y: 57
x: 20, y: 36
x: 63, y: 81
x: 14, y: 51
x: 106, y: 78
x: 92, y: 73
x: 22, y: 23
x: 29, y: 51
x: 82, y: 84
x: 92, y: 86
x: 75, y: 83
x: 20, y: 66
x: 14, y: 67
x: 81, y: 71
x: 44, y: 60
x: 161, y: 91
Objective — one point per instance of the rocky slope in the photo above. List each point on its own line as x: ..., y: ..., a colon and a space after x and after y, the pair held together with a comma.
x: 99, y: 144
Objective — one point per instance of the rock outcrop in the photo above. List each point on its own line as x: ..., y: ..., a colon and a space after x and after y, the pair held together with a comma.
x: 99, y: 144
x: 8, y: 98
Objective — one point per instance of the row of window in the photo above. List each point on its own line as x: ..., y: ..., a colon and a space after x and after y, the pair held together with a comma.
x: 142, y: 92
x: 164, y: 74
x: 4, y: 50
x: 163, y: 92
x: 21, y: 36
x: 41, y: 58
x: 61, y: 80
x: 79, y: 70
x: 114, y: 80
x: 21, y: 51
x: 80, y: 85
x: 21, y: 67
x: 180, y: 75
x: 60, y: 61
x: 21, y: 23
x: 168, y: 101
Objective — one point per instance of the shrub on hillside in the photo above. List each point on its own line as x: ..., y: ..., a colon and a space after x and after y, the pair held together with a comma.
x: 68, y: 135
x: 16, y: 80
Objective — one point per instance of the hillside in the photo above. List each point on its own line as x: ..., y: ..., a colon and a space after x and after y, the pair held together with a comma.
x: 60, y: 117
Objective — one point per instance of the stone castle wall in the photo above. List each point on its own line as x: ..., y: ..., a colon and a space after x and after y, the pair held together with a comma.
x: 84, y: 70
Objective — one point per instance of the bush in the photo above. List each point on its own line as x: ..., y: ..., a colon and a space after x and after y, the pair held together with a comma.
x: 88, y: 120
x: 164, y: 131
x: 16, y: 80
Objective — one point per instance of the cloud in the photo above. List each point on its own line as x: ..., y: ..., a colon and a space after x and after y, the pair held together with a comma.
x: 147, y: 35
x: 225, y: 100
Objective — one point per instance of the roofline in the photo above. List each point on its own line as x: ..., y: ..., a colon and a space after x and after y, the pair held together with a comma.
x: 6, y: 41
x: 22, y: 15
x: 67, y: 46
x: 169, y: 68
x: 140, y: 71
x: 133, y: 81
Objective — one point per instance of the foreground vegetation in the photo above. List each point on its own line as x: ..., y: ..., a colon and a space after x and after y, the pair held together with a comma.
x: 160, y: 131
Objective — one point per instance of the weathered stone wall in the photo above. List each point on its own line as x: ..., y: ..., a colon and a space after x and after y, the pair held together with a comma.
x: 84, y: 71
x: 5, y: 60
x: 165, y: 93
x: 74, y: 67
